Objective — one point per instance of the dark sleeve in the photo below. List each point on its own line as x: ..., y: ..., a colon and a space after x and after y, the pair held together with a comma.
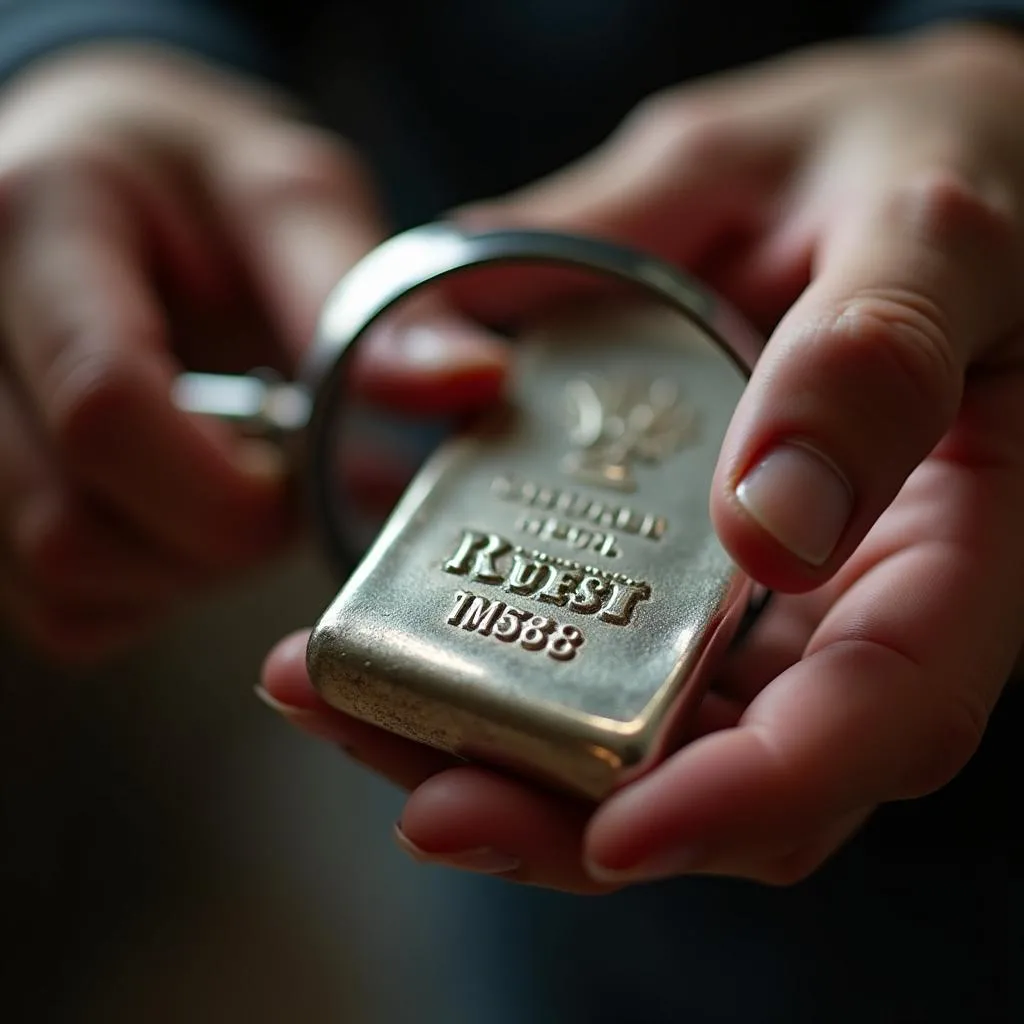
x: 904, y: 15
x: 30, y: 29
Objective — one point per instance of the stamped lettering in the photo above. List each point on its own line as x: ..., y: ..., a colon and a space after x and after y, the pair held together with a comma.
x: 579, y: 538
x: 572, y: 506
x: 491, y: 559
x: 477, y: 614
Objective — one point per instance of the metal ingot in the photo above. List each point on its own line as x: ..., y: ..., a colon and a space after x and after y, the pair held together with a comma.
x: 549, y: 595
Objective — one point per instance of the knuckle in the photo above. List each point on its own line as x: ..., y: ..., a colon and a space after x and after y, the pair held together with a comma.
x: 659, y: 112
x: 705, y: 142
x: 296, y: 164
x: 945, y: 210
x: 789, y: 871
x: 61, y: 184
x: 88, y: 398
x: 680, y: 130
x: 985, y: 60
x: 958, y: 725
x: 905, y: 337
x: 22, y: 184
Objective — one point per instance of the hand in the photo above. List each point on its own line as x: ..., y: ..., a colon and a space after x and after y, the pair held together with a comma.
x: 157, y: 214
x: 867, y: 204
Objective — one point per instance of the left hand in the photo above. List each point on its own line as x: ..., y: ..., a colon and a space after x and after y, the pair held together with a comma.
x: 873, y: 473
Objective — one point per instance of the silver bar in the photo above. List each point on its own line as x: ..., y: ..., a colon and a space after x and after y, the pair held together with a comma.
x: 550, y: 595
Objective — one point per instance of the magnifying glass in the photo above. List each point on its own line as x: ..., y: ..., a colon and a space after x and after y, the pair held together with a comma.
x: 547, y: 594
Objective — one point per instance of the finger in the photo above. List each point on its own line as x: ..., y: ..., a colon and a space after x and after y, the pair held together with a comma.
x: 889, y: 703
x: 68, y: 549
x: 302, y: 212
x: 776, y: 642
x: 468, y: 818
x: 286, y: 689
x: 55, y: 544
x: 865, y: 373
x: 86, y: 336
x: 70, y: 586
x: 474, y: 819
x: 673, y: 182
x: 426, y: 359
x: 792, y: 864
x: 76, y: 633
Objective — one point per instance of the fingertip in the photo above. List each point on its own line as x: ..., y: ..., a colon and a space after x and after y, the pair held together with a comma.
x: 469, y: 807
x: 451, y: 809
x: 785, y: 519
x: 434, y: 363
x: 284, y: 676
x: 472, y: 809
x: 482, y: 860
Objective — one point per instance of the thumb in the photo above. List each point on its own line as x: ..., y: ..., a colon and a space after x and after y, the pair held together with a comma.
x: 864, y: 375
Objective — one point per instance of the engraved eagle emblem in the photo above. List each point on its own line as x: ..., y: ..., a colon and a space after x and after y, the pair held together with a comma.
x: 616, y: 422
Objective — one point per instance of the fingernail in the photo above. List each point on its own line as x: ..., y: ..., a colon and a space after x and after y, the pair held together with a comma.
x: 667, y: 864
x: 286, y: 710
x: 262, y: 460
x: 483, y: 859
x: 306, y: 719
x: 800, y: 498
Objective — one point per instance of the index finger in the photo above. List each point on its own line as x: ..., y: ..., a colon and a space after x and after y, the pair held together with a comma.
x: 86, y: 334
x: 301, y: 211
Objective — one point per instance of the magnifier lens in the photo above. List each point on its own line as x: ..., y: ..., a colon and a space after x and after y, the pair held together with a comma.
x: 446, y: 356
x: 424, y: 371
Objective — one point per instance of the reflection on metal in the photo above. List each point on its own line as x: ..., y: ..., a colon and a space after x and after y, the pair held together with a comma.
x: 614, y: 422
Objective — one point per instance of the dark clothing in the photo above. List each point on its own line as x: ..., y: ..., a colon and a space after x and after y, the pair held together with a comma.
x: 917, y: 921
x: 482, y: 95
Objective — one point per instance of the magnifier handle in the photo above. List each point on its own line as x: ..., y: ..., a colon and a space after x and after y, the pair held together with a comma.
x: 258, y: 404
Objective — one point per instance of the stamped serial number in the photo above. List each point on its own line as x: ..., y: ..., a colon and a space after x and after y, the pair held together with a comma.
x: 477, y: 614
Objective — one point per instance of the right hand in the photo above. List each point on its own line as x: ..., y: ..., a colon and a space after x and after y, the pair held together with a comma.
x: 157, y: 213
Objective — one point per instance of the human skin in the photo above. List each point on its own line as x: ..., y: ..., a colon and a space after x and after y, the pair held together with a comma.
x: 157, y: 214
x: 865, y: 205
